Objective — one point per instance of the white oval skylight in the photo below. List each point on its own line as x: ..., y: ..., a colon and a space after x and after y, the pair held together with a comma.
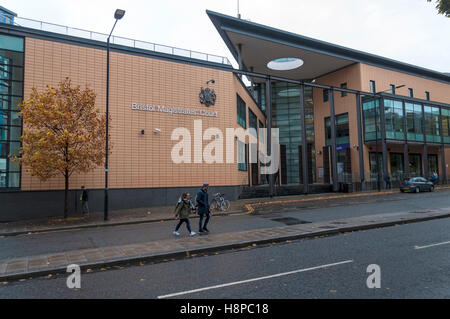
x: 285, y: 64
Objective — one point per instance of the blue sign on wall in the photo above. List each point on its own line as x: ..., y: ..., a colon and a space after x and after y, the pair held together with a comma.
x: 341, y: 147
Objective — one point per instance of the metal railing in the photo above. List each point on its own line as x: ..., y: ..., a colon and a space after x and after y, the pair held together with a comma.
x: 91, y: 35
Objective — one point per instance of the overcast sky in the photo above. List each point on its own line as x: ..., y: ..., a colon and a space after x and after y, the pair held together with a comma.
x: 406, y: 30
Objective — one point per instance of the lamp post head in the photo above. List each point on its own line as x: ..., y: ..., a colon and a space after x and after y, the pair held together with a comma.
x: 119, y: 14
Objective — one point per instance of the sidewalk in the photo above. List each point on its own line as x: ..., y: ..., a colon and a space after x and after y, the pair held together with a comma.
x: 12, y: 269
x: 163, y: 213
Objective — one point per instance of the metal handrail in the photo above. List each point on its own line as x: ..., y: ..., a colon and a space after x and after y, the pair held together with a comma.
x: 137, y: 44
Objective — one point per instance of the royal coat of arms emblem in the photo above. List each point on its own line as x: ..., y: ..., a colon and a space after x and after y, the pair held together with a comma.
x: 207, y: 96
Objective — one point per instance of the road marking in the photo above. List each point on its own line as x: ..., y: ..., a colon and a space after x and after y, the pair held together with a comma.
x: 432, y: 245
x: 253, y: 279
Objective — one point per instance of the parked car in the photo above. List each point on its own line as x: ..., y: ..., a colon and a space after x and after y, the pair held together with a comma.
x: 416, y: 184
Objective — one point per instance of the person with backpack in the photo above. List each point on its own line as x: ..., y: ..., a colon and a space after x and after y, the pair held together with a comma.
x: 203, y: 207
x: 84, y: 201
x: 182, y: 211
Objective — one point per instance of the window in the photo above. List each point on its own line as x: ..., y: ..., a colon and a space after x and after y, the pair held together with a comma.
x: 241, y: 112
x: 414, y: 118
x: 392, y: 86
x: 342, y: 130
x: 325, y: 95
x: 252, y: 123
x: 372, y: 86
x: 427, y: 95
x: 343, y: 86
x: 397, y: 164
x: 446, y: 124
x: 242, y: 156
x: 393, y: 111
x: 410, y: 92
x: 376, y: 165
x: 11, y: 94
x: 371, y: 116
x: 432, y: 125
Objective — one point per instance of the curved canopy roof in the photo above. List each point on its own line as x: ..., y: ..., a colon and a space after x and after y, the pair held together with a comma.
x: 261, y: 44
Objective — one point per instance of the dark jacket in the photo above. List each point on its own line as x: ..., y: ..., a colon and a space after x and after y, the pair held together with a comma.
x: 85, y: 195
x: 182, y: 210
x: 202, y: 201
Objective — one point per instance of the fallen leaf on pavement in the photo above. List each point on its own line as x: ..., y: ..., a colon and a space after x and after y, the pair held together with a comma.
x: 333, y: 291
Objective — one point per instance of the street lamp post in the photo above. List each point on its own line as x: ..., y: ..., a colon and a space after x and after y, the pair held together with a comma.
x: 117, y: 15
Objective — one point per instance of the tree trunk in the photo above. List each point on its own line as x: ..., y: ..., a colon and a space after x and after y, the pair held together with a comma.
x: 66, y: 195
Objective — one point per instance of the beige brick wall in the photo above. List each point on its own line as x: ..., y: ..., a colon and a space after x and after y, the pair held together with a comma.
x: 136, y: 160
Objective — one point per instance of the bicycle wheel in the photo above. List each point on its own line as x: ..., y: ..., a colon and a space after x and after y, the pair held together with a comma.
x: 226, y: 205
x: 214, y: 206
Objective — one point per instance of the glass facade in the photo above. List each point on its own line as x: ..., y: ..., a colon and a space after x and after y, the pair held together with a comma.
x: 342, y: 130
x: 424, y: 123
x: 397, y: 166
x: 393, y: 111
x: 445, y: 114
x: 11, y: 95
x: 371, y: 114
x: 432, y: 125
x: 286, y: 117
x: 414, y: 118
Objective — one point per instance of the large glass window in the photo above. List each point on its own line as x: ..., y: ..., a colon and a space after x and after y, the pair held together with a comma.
x: 432, y: 126
x: 242, y: 156
x: 371, y: 120
x: 252, y: 123
x: 375, y: 167
x: 11, y: 95
x: 397, y: 166
x: 241, y: 112
x: 286, y: 117
x: 414, y: 118
x: 415, y: 165
x: 446, y: 125
x: 342, y: 130
x: 393, y: 111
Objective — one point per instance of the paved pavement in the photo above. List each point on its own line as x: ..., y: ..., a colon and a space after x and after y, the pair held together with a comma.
x: 165, y: 213
x: 413, y: 261
x: 268, y: 216
x: 167, y: 249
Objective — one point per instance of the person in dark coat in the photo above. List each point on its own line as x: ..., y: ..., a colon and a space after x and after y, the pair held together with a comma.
x: 84, y: 201
x: 203, y: 207
x: 387, y: 179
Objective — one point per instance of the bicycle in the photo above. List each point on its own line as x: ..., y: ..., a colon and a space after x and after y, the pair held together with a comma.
x: 220, y: 203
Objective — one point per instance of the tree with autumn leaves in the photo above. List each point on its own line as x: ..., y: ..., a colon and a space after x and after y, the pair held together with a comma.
x: 63, y: 133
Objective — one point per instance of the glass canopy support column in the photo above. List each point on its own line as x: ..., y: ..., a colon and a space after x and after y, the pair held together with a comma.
x: 304, y: 141
x: 333, y: 143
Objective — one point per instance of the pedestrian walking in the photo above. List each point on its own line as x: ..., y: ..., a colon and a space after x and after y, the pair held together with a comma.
x: 387, y: 179
x: 203, y: 208
x: 182, y: 211
x: 84, y: 201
